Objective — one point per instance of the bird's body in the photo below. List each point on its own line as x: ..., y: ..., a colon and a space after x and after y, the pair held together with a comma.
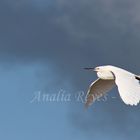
x: 128, y: 84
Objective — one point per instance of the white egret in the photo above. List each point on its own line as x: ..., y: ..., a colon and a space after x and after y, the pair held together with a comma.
x: 128, y: 84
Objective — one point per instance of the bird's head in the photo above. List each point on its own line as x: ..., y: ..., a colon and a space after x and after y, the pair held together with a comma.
x: 99, y: 68
x: 103, y: 72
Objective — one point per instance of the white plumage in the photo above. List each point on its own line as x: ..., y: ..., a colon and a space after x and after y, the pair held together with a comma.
x: 128, y: 84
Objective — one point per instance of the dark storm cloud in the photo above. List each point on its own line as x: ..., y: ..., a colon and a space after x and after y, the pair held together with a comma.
x: 70, y: 35
x: 67, y: 30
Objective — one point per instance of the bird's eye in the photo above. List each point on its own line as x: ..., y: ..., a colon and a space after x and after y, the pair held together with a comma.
x: 96, y: 69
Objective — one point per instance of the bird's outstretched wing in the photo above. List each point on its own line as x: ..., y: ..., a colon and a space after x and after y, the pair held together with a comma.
x: 129, y: 87
x: 97, y: 89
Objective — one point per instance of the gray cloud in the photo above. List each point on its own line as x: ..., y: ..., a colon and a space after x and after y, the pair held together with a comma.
x: 68, y: 33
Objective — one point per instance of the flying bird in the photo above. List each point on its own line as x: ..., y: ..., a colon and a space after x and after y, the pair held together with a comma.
x: 110, y: 76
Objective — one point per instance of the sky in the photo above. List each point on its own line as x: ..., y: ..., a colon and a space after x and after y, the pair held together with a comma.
x: 44, y: 46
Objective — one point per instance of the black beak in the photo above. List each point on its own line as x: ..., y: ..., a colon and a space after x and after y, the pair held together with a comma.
x: 89, y: 69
